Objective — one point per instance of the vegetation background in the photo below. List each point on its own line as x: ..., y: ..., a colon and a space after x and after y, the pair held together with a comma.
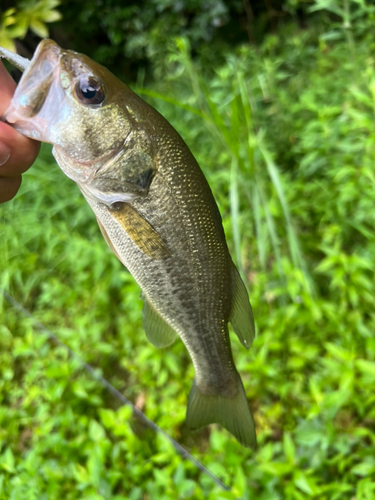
x: 276, y: 99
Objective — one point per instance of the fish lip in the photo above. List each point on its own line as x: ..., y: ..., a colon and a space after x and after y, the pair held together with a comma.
x: 46, y: 50
x: 46, y: 45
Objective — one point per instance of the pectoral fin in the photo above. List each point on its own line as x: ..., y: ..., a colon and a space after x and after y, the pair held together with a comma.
x: 140, y: 231
x: 158, y: 332
x: 241, y: 316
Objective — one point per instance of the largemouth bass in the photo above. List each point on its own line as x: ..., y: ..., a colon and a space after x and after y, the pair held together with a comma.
x: 156, y: 212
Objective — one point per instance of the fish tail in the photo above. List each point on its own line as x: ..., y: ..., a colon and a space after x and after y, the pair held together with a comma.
x: 232, y: 413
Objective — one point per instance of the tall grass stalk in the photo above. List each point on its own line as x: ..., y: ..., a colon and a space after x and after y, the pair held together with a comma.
x: 229, y: 117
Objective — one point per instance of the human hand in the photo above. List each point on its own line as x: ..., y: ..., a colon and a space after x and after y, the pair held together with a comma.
x: 17, y: 152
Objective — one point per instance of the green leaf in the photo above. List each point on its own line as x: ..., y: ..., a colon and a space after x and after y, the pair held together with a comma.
x: 289, y: 448
x: 39, y: 28
x: 366, y: 367
x: 364, y: 468
x: 96, y: 431
x: 51, y: 16
x: 7, y: 461
x: 305, y: 483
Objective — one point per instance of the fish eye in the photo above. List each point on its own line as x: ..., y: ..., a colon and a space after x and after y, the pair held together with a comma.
x: 90, y: 91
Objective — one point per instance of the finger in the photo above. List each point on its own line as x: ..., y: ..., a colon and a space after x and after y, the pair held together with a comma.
x: 9, y: 188
x: 23, y: 150
x: 7, y: 86
x: 17, y: 152
x: 20, y: 151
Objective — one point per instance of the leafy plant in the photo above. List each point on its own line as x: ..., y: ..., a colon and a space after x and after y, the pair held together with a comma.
x: 353, y: 14
x: 33, y: 15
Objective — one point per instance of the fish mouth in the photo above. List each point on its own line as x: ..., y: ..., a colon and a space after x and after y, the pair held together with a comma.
x: 33, y: 90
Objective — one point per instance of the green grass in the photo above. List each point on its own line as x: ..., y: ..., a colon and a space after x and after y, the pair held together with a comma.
x: 287, y: 144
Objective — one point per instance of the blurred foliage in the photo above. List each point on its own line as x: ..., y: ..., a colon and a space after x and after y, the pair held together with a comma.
x: 29, y: 14
x: 137, y: 34
x: 284, y: 132
x: 127, y: 36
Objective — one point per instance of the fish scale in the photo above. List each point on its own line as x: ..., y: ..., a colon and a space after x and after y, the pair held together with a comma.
x: 156, y: 212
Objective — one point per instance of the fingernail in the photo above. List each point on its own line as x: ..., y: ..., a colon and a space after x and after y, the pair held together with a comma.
x: 4, y: 153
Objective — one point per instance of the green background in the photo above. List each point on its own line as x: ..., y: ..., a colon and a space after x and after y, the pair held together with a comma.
x: 282, y: 124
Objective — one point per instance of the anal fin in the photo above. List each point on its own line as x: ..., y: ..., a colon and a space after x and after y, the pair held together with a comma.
x: 241, y: 316
x: 158, y: 332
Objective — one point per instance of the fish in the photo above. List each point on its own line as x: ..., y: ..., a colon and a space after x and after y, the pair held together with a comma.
x: 156, y: 212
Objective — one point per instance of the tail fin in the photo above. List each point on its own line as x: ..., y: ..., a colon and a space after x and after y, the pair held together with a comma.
x: 232, y: 413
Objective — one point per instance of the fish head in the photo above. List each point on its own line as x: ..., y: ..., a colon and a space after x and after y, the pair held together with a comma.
x: 67, y: 99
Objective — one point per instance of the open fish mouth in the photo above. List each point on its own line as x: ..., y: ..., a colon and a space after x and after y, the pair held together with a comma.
x: 26, y: 112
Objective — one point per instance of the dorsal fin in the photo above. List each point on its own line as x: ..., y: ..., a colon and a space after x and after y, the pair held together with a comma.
x: 241, y: 315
